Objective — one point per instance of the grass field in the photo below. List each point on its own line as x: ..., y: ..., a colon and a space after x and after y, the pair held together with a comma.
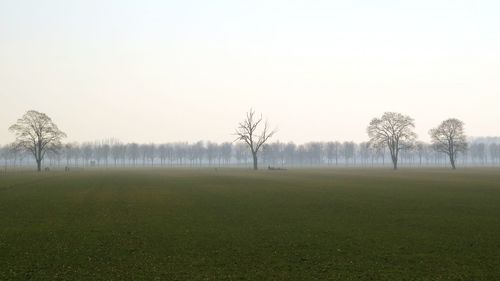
x: 243, y: 225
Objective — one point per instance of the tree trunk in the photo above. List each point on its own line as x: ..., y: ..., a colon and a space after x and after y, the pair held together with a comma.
x: 39, y: 165
x: 254, y: 154
x: 394, y: 162
x: 452, y: 161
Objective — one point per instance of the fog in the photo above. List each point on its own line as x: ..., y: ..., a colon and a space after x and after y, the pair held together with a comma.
x: 152, y: 71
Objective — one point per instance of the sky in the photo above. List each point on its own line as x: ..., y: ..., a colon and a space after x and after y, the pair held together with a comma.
x: 162, y: 71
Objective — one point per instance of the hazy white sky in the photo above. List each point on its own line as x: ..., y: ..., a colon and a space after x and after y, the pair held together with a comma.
x: 189, y: 70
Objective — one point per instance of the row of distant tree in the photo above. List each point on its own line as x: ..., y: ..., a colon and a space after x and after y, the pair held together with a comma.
x: 112, y: 153
x: 391, y: 140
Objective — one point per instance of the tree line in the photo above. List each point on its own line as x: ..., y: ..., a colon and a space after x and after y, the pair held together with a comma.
x: 392, y: 141
x: 113, y: 153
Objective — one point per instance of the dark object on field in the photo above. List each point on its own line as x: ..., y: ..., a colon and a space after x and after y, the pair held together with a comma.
x: 47, y: 169
x: 66, y: 169
x: 276, y: 169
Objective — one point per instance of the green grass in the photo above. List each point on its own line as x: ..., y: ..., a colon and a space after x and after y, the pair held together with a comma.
x: 243, y: 225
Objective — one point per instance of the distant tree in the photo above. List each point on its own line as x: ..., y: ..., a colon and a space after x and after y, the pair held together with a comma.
x: 117, y: 152
x: 266, y: 154
x: 14, y: 152
x: 290, y: 151
x: 180, y: 151
x: 150, y: 150
x: 68, y: 152
x: 87, y: 153
x: 276, y: 155
x: 211, y: 152
x: 198, y: 151
x: 365, y: 151
x: 3, y: 154
x: 98, y: 151
x: 330, y: 149
x: 494, y: 149
x: 143, y: 152
x: 105, y: 151
x: 36, y: 133
x: 449, y: 138
x: 478, y: 152
x: 349, y: 149
x: 76, y: 153
x: 279, y: 150
x: 301, y: 154
x: 133, y: 152
x: 393, y: 130
x: 420, y: 148
x: 241, y: 153
x: 247, y: 132
x: 162, y: 153
x: 314, y: 152
x: 226, y: 150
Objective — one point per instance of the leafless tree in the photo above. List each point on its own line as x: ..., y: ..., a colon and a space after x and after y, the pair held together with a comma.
x: 240, y: 153
x: 150, y: 150
x: 420, y: 149
x: 290, y: 151
x: 105, y: 151
x: 314, y: 152
x: 118, y: 152
x: 225, y: 152
x: 449, y: 138
x: 211, y: 150
x: 68, y: 152
x: 331, y: 151
x: 162, y: 153
x: 393, y: 130
x: 133, y: 152
x: 198, y: 152
x: 349, y: 149
x: 247, y: 132
x: 87, y: 153
x: 36, y: 133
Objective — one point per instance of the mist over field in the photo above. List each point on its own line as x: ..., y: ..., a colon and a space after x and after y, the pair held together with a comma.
x: 250, y: 140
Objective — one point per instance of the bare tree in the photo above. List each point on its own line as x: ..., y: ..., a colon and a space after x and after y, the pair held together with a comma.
x: 449, y: 138
x: 349, y: 149
x: 247, y: 132
x: 35, y: 132
x: 87, y: 153
x: 133, y: 152
x: 105, y: 152
x: 420, y: 148
x: 393, y: 130
x: 226, y: 150
x: 150, y: 150
x: 314, y: 152
x: 330, y: 149
x: 240, y: 153
x: 68, y: 152
x: 198, y: 151
x: 211, y: 150
x: 162, y: 153
x: 117, y: 150
x: 290, y: 151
